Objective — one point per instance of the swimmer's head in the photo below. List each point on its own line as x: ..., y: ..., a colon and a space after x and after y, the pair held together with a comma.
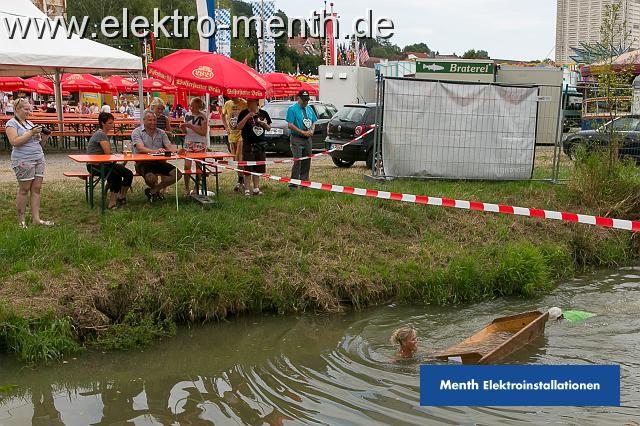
x: 555, y: 313
x: 407, y: 338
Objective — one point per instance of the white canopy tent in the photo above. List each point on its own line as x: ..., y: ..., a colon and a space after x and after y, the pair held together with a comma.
x: 49, y: 55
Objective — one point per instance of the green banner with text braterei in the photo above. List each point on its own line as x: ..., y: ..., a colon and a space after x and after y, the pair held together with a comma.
x: 438, y: 67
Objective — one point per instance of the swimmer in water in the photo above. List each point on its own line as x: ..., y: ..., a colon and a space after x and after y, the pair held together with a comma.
x: 407, y: 339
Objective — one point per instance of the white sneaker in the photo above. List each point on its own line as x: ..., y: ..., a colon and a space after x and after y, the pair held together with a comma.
x: 256, y: 191
x: 247, y: 193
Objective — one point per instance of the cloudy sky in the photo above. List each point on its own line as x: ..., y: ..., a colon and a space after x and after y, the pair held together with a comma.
x: 507, y: 29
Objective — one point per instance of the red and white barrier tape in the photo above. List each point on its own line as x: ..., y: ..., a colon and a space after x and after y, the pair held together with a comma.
x: 293, y: 160
x: 604, y: 222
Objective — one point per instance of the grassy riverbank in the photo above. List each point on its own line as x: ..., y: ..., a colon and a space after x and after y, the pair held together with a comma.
x: 127, y: 277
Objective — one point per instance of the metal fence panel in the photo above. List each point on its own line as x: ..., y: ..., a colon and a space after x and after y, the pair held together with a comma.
x: 458, y: 130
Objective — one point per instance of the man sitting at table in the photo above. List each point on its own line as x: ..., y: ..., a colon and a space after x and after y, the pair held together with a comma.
x: 148, y: 139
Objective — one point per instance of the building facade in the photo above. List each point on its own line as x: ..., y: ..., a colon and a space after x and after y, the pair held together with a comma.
x: 578, y: 21
x: 52, y: 7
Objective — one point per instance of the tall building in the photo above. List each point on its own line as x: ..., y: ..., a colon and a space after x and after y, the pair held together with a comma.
x: 578, y: 21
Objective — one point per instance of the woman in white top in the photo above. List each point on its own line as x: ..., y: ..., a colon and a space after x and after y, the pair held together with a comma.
x: 27, y: 161
x: 195, y: 127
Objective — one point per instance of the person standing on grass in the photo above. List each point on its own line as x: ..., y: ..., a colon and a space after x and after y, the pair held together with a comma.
x: 195, y: 127
x: 254, y: 122
x: 301, y: 120
x: 118, y: 176
x: 27, y: 161
x: 230, y: 112
x: 148, y: 139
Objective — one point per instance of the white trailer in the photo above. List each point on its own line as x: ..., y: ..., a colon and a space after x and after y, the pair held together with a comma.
x: 342, y: 85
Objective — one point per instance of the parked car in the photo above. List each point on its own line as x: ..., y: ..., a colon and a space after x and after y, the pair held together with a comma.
x: 278, y: 136
x: 627, y: 127
x: 349, y: 123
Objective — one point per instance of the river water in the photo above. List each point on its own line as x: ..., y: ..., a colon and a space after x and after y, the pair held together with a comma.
x: 328, y: 369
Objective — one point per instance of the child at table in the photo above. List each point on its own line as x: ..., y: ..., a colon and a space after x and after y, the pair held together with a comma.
x: 195, y: 126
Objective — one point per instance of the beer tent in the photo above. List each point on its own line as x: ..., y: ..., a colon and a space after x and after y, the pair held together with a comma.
x: 53, y: 56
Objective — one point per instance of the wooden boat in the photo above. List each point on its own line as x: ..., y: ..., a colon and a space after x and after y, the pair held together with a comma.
x: 499, y: 339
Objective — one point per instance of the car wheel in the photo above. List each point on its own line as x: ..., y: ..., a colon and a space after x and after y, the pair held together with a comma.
x: 342, y: 164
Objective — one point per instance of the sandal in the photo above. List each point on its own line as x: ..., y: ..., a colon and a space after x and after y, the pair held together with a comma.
x: 247, y: 193
x: 23, y: 225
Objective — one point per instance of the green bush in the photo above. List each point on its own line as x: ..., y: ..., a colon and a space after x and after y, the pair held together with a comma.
x: 612, y: 187
x: 37, y: 340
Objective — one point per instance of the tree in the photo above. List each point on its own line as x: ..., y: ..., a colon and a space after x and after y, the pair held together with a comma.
x: 614, y: 83
x: 601, y: 178
x: 417, y: 47
x: 475, y: 54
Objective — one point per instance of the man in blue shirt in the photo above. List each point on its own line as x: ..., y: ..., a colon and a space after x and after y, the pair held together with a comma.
x: 301, y: 120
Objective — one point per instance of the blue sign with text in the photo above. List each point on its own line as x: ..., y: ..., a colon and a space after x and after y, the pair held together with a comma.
x: 520, y: 385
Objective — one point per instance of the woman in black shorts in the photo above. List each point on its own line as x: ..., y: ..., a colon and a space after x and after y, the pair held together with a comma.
x: 254, y: 124
x: 118, y: 176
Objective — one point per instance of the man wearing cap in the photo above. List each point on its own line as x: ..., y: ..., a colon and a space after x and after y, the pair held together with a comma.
x: 301, y: 120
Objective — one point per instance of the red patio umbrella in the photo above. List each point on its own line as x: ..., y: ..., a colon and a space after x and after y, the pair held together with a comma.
x: 281, y: 80
x: 283, y: 84
x: 155, y: 85
x: 10, y: 84
x: 203, y: 72
x: 121, y: 84
x: 84, y: 83
x: 35, y: 84
x: 313, y: 89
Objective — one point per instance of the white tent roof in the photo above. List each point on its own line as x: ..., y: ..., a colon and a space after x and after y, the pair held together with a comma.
x: 30, y: 56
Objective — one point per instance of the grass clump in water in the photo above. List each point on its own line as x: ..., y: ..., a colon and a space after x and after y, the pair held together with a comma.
x: 37, y: 340
x: 134, y: 331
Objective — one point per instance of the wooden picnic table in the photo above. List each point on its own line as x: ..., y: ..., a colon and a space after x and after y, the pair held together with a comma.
x: 104, y: 160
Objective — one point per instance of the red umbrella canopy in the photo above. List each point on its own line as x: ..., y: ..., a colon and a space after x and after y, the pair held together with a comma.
x: 84, y: 83
x: 154, y: 85
x: 37, y: 84
x: 313, y: 89
x: 281, y: 80
x: 9, y: 84
x: 203, y: 72
x: 121, y: 84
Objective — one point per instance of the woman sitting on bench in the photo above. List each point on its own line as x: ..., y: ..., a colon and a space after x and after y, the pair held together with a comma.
x: 118, y: 176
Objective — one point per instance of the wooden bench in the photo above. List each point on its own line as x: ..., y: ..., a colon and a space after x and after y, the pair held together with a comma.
x: 89, y: 182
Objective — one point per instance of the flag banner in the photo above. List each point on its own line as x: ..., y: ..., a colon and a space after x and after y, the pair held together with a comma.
x: 207, y: 8
x: 223, y: 33
x: 520, y: 385
x: 331, y: 41
x: 263, y: 11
